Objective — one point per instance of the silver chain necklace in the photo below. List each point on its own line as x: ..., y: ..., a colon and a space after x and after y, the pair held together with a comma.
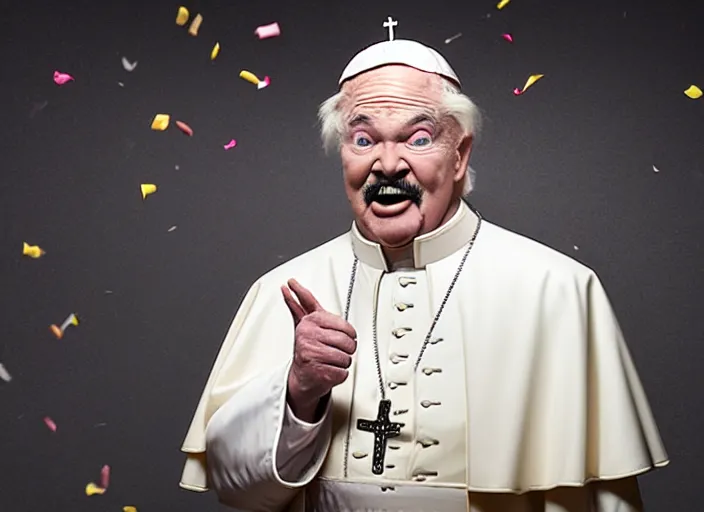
x: 382, y: 427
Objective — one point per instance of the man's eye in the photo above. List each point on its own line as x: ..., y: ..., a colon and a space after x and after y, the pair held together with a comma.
x: 362, y: 141
x: 420, y: 139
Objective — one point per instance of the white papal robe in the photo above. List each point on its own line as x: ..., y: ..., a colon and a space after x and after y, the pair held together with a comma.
x: 526, y: 398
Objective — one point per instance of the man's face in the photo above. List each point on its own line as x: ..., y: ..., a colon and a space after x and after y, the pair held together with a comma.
x: 403, y: 163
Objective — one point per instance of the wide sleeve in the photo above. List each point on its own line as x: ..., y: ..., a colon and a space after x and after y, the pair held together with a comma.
x: 259, y: 455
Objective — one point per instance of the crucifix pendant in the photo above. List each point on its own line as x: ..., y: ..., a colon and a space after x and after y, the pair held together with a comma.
x: 382, y: 429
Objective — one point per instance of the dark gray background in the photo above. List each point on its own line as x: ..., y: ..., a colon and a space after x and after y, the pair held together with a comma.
x: 569, y: 164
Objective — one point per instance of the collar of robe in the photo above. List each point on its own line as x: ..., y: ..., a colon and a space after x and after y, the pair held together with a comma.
x: 428, y: 248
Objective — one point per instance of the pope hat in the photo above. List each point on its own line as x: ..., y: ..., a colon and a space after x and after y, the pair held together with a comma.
x: 399, y: 51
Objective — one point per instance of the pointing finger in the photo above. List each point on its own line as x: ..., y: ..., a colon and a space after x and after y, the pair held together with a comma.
x: 305, y: 297
x: 294, y: 307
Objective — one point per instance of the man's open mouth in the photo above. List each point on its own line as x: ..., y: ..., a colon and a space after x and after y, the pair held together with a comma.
x: 389, y: 195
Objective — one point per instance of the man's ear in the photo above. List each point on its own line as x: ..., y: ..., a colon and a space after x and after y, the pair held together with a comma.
x: 464, y: 149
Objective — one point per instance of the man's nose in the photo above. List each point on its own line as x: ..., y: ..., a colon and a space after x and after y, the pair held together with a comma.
x: 390, y: 163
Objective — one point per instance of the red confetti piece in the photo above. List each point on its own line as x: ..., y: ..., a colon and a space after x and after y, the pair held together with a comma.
x: 230, y: 144
x: 264, y: 83
x: 507, y: 37
x: 50, y: 423
x: 105, y: 477
x: 61, y: 78
x: 185, y: 128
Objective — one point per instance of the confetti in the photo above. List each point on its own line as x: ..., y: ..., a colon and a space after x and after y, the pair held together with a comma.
x: 120, y: 84
x: 531, y: 80
x: 129, y: 508
x: 507, y: 37
x: 250, y: 77
x: 182, y: 16
x: 129, y: 66
x: 230, y: 144
x: 105, y: 476
x: 195, y: 25
x: 214, y: 52
x: 161, y: 122
x: 147, y: 189
x: 502, y: 4
x: 655, y: 169
x: 33, y: 251
x: 59, y: 331
x: 4, y: 374
x: 264, y: 83
x: 184, y: 128
x: 172, y: 228
x: 265, y: 31
x: 693, y: 92
x: 576, y: 248
x: 452, y: 38
x: 92, y: 489
x: 50, y: 423
x: 62, y: 78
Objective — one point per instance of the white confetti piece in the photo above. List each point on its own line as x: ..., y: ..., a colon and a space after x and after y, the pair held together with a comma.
x: 4, y: 374
x: 576, y: 248
x: 172, y: 228
x: 129, y: 66
x: 655, y: 169
x: 452, y: 38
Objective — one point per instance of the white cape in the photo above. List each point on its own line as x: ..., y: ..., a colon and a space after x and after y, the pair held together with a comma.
x: 552, y: 397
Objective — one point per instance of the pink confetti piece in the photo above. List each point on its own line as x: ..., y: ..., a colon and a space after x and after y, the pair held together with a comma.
x: 264, y: 83
x: 507, y: 37
x: 105, y: 476
x: 50, y: 423
x: 230, y: 144
x: 265, y: 31
x: 185, y: 128
x: 62, y: 78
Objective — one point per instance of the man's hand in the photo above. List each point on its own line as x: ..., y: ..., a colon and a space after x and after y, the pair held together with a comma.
x: 323, y: 349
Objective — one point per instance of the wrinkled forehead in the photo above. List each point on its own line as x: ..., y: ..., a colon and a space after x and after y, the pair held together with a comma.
x: 392, y: 91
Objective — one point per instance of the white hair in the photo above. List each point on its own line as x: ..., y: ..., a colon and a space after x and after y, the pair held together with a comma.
x: 453, y: 103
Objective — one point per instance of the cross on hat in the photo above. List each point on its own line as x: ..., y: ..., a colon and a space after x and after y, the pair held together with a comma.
x: 390, y: 23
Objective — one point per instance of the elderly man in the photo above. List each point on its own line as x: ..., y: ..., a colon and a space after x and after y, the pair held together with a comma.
x: 425, y: 360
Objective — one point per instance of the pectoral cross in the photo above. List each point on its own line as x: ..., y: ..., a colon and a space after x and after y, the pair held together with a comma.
x: 382, y: 429
x: 390, y: 24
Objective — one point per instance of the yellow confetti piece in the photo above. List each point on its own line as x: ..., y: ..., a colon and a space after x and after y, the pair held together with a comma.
x: 182, y: 16
x: 250, y: 77
x: 195, y: 25
x: 502, y: 4
x: 161, y: 122
x: 214, y: 52
x: 531, y: 80
x: 92, y: 489
x: 147, y: 189
x: 693, y: 92
x: 33, y: 251
x: 129, y: 508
